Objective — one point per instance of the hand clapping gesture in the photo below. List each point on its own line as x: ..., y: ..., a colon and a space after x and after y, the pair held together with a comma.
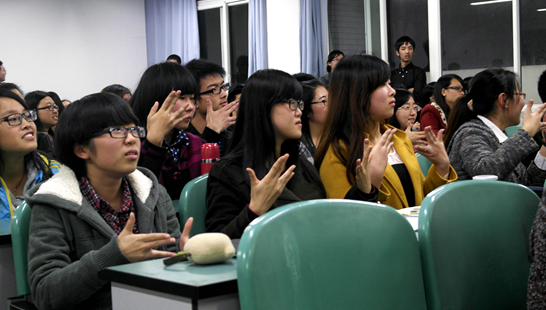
x: 416, y: 137
x: 139, y: 247
x: 435, y: 151
x: 221, y: 119
x: 263, y: 193
x: 379, y: 157
x: 162, y: 120
x: 532, y: 121
x: 363, y: 181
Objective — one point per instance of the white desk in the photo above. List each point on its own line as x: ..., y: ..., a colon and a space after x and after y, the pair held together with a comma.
x: 151, y: 285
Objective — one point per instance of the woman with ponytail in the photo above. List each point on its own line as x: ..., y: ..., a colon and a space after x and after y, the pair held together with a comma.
x: 477, y: 143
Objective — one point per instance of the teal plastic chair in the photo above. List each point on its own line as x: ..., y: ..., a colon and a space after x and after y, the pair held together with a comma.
x: 19, y: 229
x: 193, y: 203
x: 510, y: 131
x: 424, y: 164
x: 474, y: 241
x: 330, y: 254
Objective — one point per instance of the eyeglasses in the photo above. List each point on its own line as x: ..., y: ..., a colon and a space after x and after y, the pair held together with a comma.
x: 294, y: 104
x: 216, y: 90
x: 457, y: 88
x: 322, y: 101
x: 17, y: 118
x: 407, y: 108
x: 521, y: 94
x: 51, y: 108
x: 122, y: 132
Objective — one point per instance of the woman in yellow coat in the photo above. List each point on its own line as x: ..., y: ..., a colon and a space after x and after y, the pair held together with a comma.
x: 356, y: 135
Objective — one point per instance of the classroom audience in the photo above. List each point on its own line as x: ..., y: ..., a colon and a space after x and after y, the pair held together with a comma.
x: 108, y: 213
x: 21, y: 166
x: 475, y: 138
x: 164, y: 102
x: 356, y: 122
x: 447, y: 90
x: 48, y: 115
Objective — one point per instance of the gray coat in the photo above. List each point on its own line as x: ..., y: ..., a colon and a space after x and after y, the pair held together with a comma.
x: 475, y: 150
x: 70, y: 242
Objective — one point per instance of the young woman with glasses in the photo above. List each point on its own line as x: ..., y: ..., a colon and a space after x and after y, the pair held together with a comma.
x: 262, y: 169
x: 477, y: 143
x: 48, y: 115
x: 99, y: 211
x: 21, y: 166
x: 315, y: 99
x: 405, y: 116
x: 164, y: 104
x: 447, y: 90
x: 359, y: 150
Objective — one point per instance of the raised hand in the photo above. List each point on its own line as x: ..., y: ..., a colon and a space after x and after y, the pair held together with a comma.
x: 264, y: 192
x: 379, y: 157
x: 416, y: 137
x: 532, y: 120
x: 162, y: 120
x: 435, y: 151
x: 186, y: 233
x: 139, y: 247
x: 363, y: 181
x: 221, y: 119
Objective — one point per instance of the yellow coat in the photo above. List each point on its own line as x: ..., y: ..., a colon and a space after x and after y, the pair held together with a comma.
x: 333, y: 175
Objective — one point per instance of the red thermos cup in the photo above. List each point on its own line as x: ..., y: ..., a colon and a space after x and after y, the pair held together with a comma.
x: 210, y: 153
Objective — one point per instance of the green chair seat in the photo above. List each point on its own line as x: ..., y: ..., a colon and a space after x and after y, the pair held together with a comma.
x: 19, y: 229
x: 474, y: 241
x: 330, y: 254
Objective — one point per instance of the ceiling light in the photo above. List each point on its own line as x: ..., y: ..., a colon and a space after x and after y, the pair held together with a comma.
x: 489, y: 2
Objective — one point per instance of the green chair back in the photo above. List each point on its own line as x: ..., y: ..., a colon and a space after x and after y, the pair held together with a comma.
x: 193, y: 203
x: 510, y: 131
x: 19, y: 229
x: 474, y: 241
x: 424, y: 164
x: 330, y: 254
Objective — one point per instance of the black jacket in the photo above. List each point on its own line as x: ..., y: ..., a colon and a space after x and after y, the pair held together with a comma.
x: 411, y: 76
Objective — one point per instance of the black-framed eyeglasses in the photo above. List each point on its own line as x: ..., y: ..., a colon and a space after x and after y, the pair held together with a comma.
x: 17, y: 118
x: 322, y: 101
x: 407, y: 108
x: 294, y: 104
x: 521, y: 94
x: 122, y: 132
x: 216, y: 90
x: 51, y: 108
x: 457, y: 88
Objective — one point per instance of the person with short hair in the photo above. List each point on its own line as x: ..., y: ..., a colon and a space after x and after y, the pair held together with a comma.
x: 22, y: 167
x: 333, y: 58
x: 174, y: 58
x: 213, y: 115
x: 2, y: 72
x: 408, y: 74
x: 119, y: 90
x: 99, y: 211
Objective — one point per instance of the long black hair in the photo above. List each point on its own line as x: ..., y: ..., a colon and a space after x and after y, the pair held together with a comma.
x: 254, y: 140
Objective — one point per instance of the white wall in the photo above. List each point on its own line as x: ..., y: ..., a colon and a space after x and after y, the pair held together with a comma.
x: 283, y: 35
x: 73, y: 47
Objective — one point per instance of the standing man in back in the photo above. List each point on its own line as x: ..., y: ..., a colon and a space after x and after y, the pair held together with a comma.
x: 409, y: 75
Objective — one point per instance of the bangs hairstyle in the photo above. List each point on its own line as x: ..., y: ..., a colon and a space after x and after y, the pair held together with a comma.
x: 485, y: 88
x: 402, y: 97
x: 333, y: 54
x: 356, y: 77
x: 443, y: 82
x: 33, y: 99
x: 82, y: 119
x: 156, y: 84
x: 254, y: 135
x: 33, y: 157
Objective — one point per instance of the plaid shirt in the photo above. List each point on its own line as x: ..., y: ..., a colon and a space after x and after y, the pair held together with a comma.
x: 115, y: 219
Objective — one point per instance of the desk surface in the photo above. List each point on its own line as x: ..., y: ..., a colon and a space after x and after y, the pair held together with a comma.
x: 183, y: 279
x: 5, y: 236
